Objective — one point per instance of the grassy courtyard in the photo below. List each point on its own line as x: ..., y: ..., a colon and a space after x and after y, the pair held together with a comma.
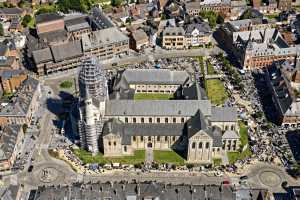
x: 234, y: 156
x: 210, y: 69
x: 86, y: 157
x: 216, y: 91
x: 152, y: 96
x: 167, y: 157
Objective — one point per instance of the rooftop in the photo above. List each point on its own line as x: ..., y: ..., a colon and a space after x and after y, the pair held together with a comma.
x: 47, y: 17
x: 20, y: 103
x: 8, y: 140
x: 145, y: 190
x: 157, y: 107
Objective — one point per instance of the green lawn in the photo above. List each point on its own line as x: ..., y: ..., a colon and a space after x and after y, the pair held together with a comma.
x: 200, y: 60
x: 234, y: 156
x: 152, y: 96
x: 86, y: 157
x: 210, y: 69
x: 167, y: 157
x: 217, y: 161
x: 216, y: 91
x: 66, y: 84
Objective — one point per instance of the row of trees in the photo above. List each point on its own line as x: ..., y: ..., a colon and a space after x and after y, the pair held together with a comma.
x: 212, y: 17
x: 236, y: 78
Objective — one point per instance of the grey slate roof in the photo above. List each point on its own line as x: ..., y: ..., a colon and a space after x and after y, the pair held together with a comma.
x: 157, y: 107
x: 11, y: 73
x: 139, y: 191
x: 74, y: 23
x: 126, y: 130
x: 103, y: 37
x: 175, y: 31
x: 203, y: 28
x: 42, y: 55
x: 11, y: 11
x: 151, y: 76
x: 19, y: 105
x: 8, y: 140
x: 47, y: 17
x: 230, y: 134
x: 66, y: 51
x: 223, y: 114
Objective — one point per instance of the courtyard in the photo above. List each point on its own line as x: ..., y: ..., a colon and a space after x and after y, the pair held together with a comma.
x: 152, y: 96
x: 87, y: 157
x: 216, y: 91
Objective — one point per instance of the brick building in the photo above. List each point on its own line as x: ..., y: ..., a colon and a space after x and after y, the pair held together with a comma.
x: 11, y: 80
x: 259, y: 48
x: 49, y: 22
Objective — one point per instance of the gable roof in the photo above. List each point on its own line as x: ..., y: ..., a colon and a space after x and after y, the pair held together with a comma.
x: 157, y: 107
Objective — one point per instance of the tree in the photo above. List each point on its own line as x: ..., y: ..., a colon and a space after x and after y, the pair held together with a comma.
x: 116, y: 3
x: 26, y: 20
x: 24, y: 127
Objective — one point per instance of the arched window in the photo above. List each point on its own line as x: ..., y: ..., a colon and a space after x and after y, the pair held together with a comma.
x: 207, y: 145
x: 200, y: 145
x: 134, y: 120
x: 174, y: 138
x: 142, y: 120
x: 166, y: 138
x: 134, y: 138
x: 149, y: 138
x: 193, y: 145
x: 115, y: 143
x: 125, y: 148
x: 166, y: 120
x: 126, y: 119
x: 158, y: 138
x: 150, y: 120
x: 158, y: 120
x: 109, y: 143
x: 142, y: 138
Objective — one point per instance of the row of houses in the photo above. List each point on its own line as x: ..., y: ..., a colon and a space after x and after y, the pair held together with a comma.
x: 196, y: 34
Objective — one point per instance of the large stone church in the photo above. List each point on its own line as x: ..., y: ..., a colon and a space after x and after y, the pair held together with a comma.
x: 117, y: 125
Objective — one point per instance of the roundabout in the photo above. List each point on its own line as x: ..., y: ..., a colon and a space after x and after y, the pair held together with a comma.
x: 48, y: 175
x: 270, y: 178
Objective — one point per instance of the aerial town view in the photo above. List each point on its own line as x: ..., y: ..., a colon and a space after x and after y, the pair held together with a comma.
x: 150, y: 99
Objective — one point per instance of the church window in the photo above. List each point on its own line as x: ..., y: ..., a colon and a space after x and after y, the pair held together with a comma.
x: 200, y: 145
x: 207, y: 145
x: 193, y: 145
